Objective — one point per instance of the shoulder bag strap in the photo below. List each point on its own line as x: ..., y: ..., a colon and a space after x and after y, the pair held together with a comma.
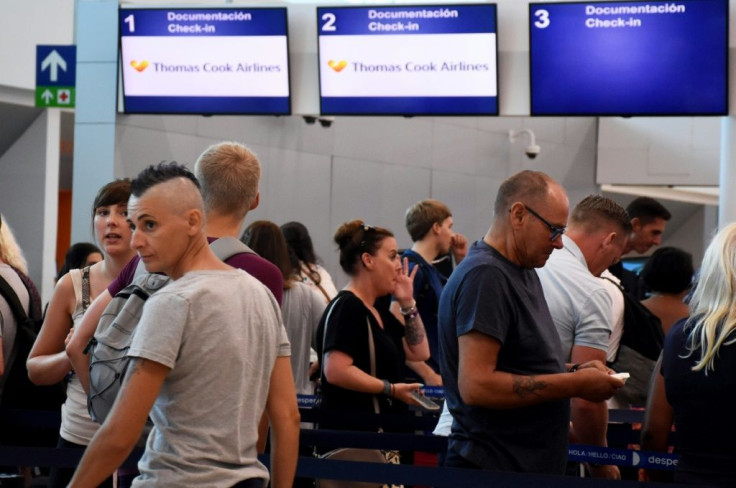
x: 372, y: 354
x: 85, y: 289
x: 310, y: 275
x: 227, y: 247
x: 327, y: 297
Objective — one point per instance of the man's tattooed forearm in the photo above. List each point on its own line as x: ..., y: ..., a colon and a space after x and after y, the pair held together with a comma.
x: 527, y: 385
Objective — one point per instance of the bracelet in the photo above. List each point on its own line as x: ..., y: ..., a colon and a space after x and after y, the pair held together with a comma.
x: 573, y: 368
x: 411, y: 315
x: 386, y: 387
x: 410, y: 309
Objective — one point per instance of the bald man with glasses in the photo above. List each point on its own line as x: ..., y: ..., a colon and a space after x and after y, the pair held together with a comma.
x: 507, y: 384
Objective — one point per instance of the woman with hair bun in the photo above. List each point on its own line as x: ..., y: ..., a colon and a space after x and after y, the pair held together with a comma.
x: 351, y: 323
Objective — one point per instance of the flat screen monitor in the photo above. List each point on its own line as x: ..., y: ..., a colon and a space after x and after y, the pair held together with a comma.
x: 629, y: 58
x: 408, y: 60
x: 204, y: 61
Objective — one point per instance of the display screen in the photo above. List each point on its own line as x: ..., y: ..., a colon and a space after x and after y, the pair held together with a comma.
x: 205, y: 61
x: 408, y: 60
x: 629, y: 58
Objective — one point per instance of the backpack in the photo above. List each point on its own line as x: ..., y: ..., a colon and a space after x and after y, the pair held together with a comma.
x: 108, y: 348
x: 19, y: 392
x: 641, y: 343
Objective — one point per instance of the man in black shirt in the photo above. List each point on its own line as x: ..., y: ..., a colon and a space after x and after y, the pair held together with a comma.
x: 648, y: 220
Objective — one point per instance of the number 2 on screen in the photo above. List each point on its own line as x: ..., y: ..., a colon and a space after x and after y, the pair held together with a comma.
x: 542, y: 16
x: 329, y: 25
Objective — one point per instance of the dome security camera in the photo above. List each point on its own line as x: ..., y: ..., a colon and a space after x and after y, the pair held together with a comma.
x: 532, y: 150
x: 326, y: 122
x: 310, y: 119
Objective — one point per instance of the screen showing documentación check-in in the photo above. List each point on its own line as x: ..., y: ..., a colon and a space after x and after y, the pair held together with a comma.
x: 205, y: 61
x: 629, y: 58
x: 408, y: 60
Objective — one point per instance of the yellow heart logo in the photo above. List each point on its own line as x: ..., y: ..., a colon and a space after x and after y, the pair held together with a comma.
x: 139, y: 66
x: 337, y: 65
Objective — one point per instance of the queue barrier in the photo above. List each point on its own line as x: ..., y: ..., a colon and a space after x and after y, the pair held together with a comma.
x: 309, y: 467
x: 368, y: 472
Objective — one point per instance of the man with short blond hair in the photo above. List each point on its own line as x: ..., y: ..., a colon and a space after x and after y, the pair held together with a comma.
x: 581, y: 306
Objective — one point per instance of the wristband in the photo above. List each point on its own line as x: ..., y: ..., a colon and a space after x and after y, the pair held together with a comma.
x: 410, y: 315
x: 386, y: 387
x: 410, y: 309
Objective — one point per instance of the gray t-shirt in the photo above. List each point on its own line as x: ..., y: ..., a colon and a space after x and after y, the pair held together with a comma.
x: 302, y: 307
x: 220, y: 333
x: 489, y: 294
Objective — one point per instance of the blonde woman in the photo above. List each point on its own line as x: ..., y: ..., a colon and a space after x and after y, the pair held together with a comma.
x: 48, y: 362
x: 698, y: 364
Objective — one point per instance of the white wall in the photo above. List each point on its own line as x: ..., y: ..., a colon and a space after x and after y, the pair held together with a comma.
x: 659, y: 150
x: 28, y: 196
x: 371, y: 168
x: 23, y: 25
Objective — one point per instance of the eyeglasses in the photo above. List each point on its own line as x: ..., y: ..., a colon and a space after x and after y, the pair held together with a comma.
x: 555, y: 231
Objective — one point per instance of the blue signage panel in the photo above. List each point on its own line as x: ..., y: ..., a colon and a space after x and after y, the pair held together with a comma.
x: 629, y: 58
x: 205, y: 61
x: 56, y: 65
x: 408, y: 60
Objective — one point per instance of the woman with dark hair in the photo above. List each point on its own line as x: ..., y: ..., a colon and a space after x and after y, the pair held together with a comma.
x: 79, y: 255
x: 304, y: 260
x: 301, y: 306
x: 668, y: 273
x: 363, y: 349
x: 48, y: 363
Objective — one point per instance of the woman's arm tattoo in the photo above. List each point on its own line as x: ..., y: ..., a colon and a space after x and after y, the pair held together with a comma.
x: 414, y: 331
x: 527, y: 385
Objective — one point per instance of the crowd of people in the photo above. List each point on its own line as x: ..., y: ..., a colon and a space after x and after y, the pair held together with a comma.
x: 523, y: 332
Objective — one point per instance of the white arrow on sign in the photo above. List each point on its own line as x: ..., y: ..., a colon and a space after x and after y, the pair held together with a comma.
x: 47, y: 96
x: 54, y: 61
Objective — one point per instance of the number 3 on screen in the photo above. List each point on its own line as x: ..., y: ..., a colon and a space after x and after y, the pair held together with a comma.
x: 329, y: 25
x: 542, y: 16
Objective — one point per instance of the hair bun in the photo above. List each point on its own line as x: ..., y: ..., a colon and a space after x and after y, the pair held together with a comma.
x: 346, y: 233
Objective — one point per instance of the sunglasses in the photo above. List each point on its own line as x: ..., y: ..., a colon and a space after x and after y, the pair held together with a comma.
x: 366, y: 230
x: 555, y: 231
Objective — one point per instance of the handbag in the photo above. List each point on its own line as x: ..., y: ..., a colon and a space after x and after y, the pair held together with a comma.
x: 351, y: 453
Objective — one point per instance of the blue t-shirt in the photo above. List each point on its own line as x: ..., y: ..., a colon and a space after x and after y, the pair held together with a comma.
x: 703, y: 407
x: 489, y: 294
x: 428, y: 285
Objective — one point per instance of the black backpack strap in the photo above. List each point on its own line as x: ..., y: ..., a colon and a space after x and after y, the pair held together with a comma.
x: 35, y: 312
x: 13, y: 302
